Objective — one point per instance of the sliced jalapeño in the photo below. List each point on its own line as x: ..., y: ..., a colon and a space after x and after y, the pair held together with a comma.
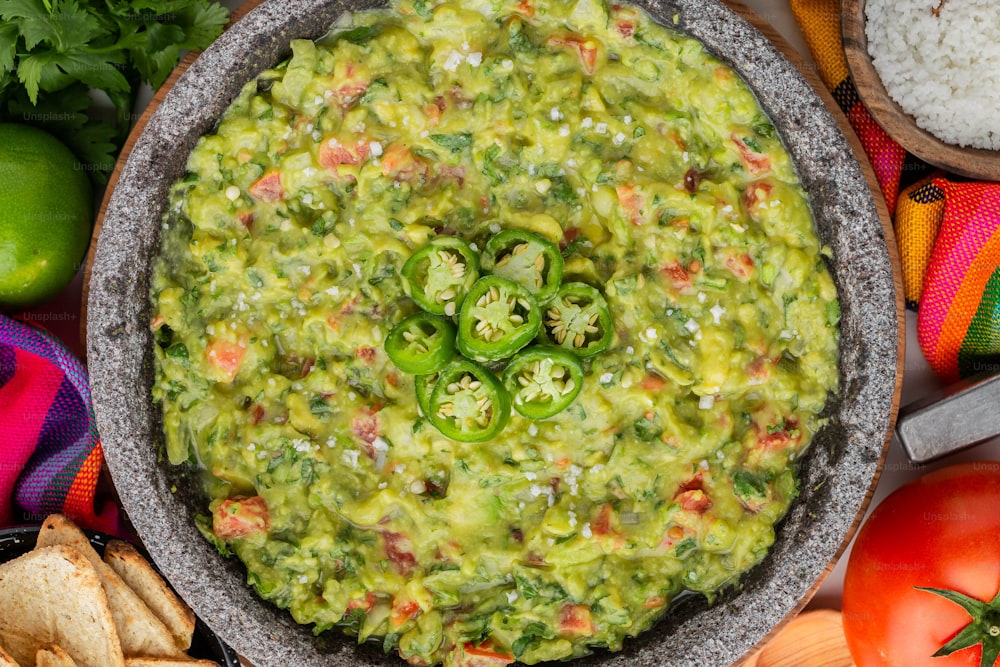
x: 421, y: 344
x: 578, y: 320
x: 498, y: 318
x: 423, y: 385
x: 543, y: 381
x: 468, y: 403
x: 439, y: 275
x: 527, y: 259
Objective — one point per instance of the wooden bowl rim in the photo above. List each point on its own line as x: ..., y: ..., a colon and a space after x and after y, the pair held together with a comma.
x: 976, y: 163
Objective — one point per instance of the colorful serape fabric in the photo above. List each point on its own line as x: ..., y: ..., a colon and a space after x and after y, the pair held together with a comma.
x: 948, y: 231
x: 50, y: 452
x: 918, y: 218
x: 959, y: 319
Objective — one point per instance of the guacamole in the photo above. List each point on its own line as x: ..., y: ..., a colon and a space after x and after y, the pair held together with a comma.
x: 615, y: 148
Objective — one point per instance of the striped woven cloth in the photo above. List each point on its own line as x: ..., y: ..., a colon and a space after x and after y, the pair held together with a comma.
x: 948, y: 231
x: 50, y: 452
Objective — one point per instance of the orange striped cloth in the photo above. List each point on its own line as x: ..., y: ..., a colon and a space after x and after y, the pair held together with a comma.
x: 948, y: 231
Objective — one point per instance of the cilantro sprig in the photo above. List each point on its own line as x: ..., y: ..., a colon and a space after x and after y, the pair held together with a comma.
x: 53, y: 53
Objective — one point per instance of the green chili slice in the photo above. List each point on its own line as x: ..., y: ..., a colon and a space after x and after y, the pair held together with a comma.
x: 423, y: 385
x: 543, y: 381
x: 421, y: 344
x: 526, y: 258
x: 439, y: 275
x: 468, y: 403
x: 578, y: 320
x: 498, y: 318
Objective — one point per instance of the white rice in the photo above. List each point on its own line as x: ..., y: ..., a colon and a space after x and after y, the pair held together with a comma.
x: 940, y: 61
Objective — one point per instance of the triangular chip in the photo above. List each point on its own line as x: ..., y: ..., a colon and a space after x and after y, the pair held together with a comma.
x: 144, y: 580
x: 6, y: 660
x: 51, y: 655
x: 168, y: 662
x: 53, y: 595
x: 140, y: 632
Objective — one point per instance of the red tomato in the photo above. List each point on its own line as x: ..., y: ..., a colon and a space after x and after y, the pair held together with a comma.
x: 941, y: 531
x: 484, y: 655
x: 241, y: 517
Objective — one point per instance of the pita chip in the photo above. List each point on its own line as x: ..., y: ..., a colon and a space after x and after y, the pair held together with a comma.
x: 6, y: 660
x: 53, y: 595
x: 140, y: 632
x: 168, y: 662
x: 140, y: 576
x: 50, y: 655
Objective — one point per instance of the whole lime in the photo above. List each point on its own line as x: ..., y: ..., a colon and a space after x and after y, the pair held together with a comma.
x: 46, y: 215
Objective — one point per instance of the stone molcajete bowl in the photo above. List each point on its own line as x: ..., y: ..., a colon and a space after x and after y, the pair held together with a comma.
x: 836, y: 476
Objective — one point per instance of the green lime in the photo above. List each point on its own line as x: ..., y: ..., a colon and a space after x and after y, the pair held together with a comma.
x: 46, y: 215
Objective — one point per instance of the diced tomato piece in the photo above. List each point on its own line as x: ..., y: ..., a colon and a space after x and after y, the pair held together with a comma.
x: 601, y: 525
x: 756, y: 193
x: 576, y: 620
x: 694, y: 483
x: 653, y: 382
x: 631, y: 200
x: 773, y: 439
x: 674, y: 535
x: 586, y: 49
x: 268, y: 187
x: 351, y: 84
x: 756, y: 163
x: 392, y: 378
x: 367, y: 602
x: 625, y: 28
x: 760, y: 368
x: 654, y: 602
x: 246, y: 219
x: 364, y: 424
x: 240, y: 517
x: 348, y: 93
x: 257, y: 414
x: 570, y: 235
x: 526, y: 7
x: 741, y: 265
x: 399, y: 551
x: 402, y: 611
x: 157, y: 322
x: 535, y: 560
x: 484, y: 655
x: 225, y: 356
x: 401, y: 164
x: 433, y: 113
x: 693, y: 501
x: 366, y: 355
x: 450, y: 174
x: 677, y: 275
x: 332, y: 153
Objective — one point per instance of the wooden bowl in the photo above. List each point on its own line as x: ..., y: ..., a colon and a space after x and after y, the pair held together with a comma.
x: 971, y: 162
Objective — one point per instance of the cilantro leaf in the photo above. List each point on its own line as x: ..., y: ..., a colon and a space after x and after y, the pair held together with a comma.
x: 454, y: 142
x: 54, y: 52
x: 8, y: 46
x: 203, y: 22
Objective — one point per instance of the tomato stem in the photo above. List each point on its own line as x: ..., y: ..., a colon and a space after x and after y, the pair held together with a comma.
x: 983, y: 629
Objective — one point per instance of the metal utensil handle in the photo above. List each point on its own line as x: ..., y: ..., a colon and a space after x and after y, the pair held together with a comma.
x: 960, y: 416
